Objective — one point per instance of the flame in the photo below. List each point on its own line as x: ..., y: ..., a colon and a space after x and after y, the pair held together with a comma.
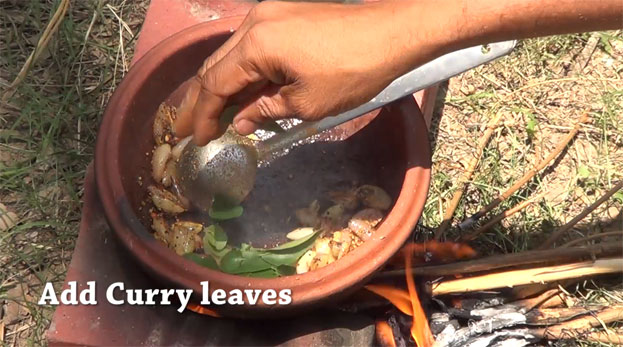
x: 420, y: 331
x: 384, y: 334
x: 398, y: 297
x: 202, y: 310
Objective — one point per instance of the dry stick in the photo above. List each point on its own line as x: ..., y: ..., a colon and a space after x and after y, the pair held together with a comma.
x: 578, y: 327
x: 558, y: 233
x: 592, y: 237
x: 537, y: 257
x: 528, y: 276
x: 467, y: 176
x: 466, y: 224
x: 530, y: 303
x: 47, y: 34
x: 495, y: 220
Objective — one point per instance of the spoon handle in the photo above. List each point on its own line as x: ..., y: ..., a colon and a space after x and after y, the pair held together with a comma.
x: 433, y: 72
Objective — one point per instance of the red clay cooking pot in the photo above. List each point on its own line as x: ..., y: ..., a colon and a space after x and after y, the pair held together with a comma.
x: 121, y: 157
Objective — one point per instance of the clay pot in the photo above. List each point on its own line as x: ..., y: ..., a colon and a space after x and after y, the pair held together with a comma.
x: 398, y: 134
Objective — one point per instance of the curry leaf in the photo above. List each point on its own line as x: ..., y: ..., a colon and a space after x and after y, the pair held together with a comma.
x: 216, y: 236
x: 235, y: 263
x: 231, y: 213
x: 295, y: 243
x: 268, y: 273
x: 207, y: 261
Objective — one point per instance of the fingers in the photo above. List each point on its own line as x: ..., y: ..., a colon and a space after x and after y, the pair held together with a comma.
x: 184, y: 124
x: 268, y: 105
x: 227, y: 77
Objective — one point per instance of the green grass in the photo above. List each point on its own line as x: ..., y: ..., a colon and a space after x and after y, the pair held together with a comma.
x: 47, y: 136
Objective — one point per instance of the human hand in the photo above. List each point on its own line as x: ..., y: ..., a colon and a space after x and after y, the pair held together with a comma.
x: 303, y: 60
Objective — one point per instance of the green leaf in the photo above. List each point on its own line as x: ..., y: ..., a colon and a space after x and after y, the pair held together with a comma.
x: 209, y: 248
x: 531, y: 124
x: 207, y: 261
x: 235, y: 262
x: 231, y: 213
x: 288, y: 253
x: 618, y: 196
x: 286, y: 270
x: 216, y: 236
x: 268, y: 273
x: 295, y: 243
x: 583, y: 172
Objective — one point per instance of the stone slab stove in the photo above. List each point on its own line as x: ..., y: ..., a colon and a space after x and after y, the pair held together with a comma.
x: 98, y: 256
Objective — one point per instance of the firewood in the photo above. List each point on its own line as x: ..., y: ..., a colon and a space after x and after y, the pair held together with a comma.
x: 558, y: 233
x: 538, y: 257
x: 579, y: 327
x: 467, y: 176
x: 467, y: 224
x: 526, y: 276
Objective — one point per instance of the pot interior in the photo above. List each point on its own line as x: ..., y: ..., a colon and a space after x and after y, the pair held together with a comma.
x: 337, y: 160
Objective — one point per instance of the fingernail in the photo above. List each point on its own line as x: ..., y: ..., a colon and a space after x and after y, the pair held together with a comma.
x: 244, y: 126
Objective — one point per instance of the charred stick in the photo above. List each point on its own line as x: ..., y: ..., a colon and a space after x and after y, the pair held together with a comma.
x: 528, y: 276
x: 467, y: 176
x: 527, y: 258
x: 467, y: 224
x: 558, y: 233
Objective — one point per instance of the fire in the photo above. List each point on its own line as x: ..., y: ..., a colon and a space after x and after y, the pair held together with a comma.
x: 420, y: 331
x: 385, y: 334
x: 407, y: 301
x: 398, y: 297
x: 202, y: 310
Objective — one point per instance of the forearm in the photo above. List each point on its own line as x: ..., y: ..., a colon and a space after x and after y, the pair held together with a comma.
x: 448, y: 25
x: 481, y: 21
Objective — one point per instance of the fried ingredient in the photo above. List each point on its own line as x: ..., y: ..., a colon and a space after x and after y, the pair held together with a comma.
x: 165, y: 201
x: 299, y: 233
x: 163, y: 124
x: 334, y: 218
x: 304, y: 262
x: 374, y: 197
x: 347, y: 198
x: 161, y: 228
x: 159, y: 161
x: 364, y: 222
x: 176, y: 152
x: 184, y: 237
x: 169, y: 173
x: 324, y: 255
x: 308, y: 216
x: 341, y: 243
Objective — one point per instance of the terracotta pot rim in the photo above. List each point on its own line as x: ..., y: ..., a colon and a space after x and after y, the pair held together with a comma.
x: 306, y: 288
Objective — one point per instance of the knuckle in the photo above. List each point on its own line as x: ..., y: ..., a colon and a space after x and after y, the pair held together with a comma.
x: 262, y: 10
x: 269, y: 108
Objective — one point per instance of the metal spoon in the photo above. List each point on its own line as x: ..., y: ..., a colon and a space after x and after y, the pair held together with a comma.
x: 227, y: 166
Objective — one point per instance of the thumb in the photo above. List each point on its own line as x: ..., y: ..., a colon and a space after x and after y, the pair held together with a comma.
x: 270, y: 104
